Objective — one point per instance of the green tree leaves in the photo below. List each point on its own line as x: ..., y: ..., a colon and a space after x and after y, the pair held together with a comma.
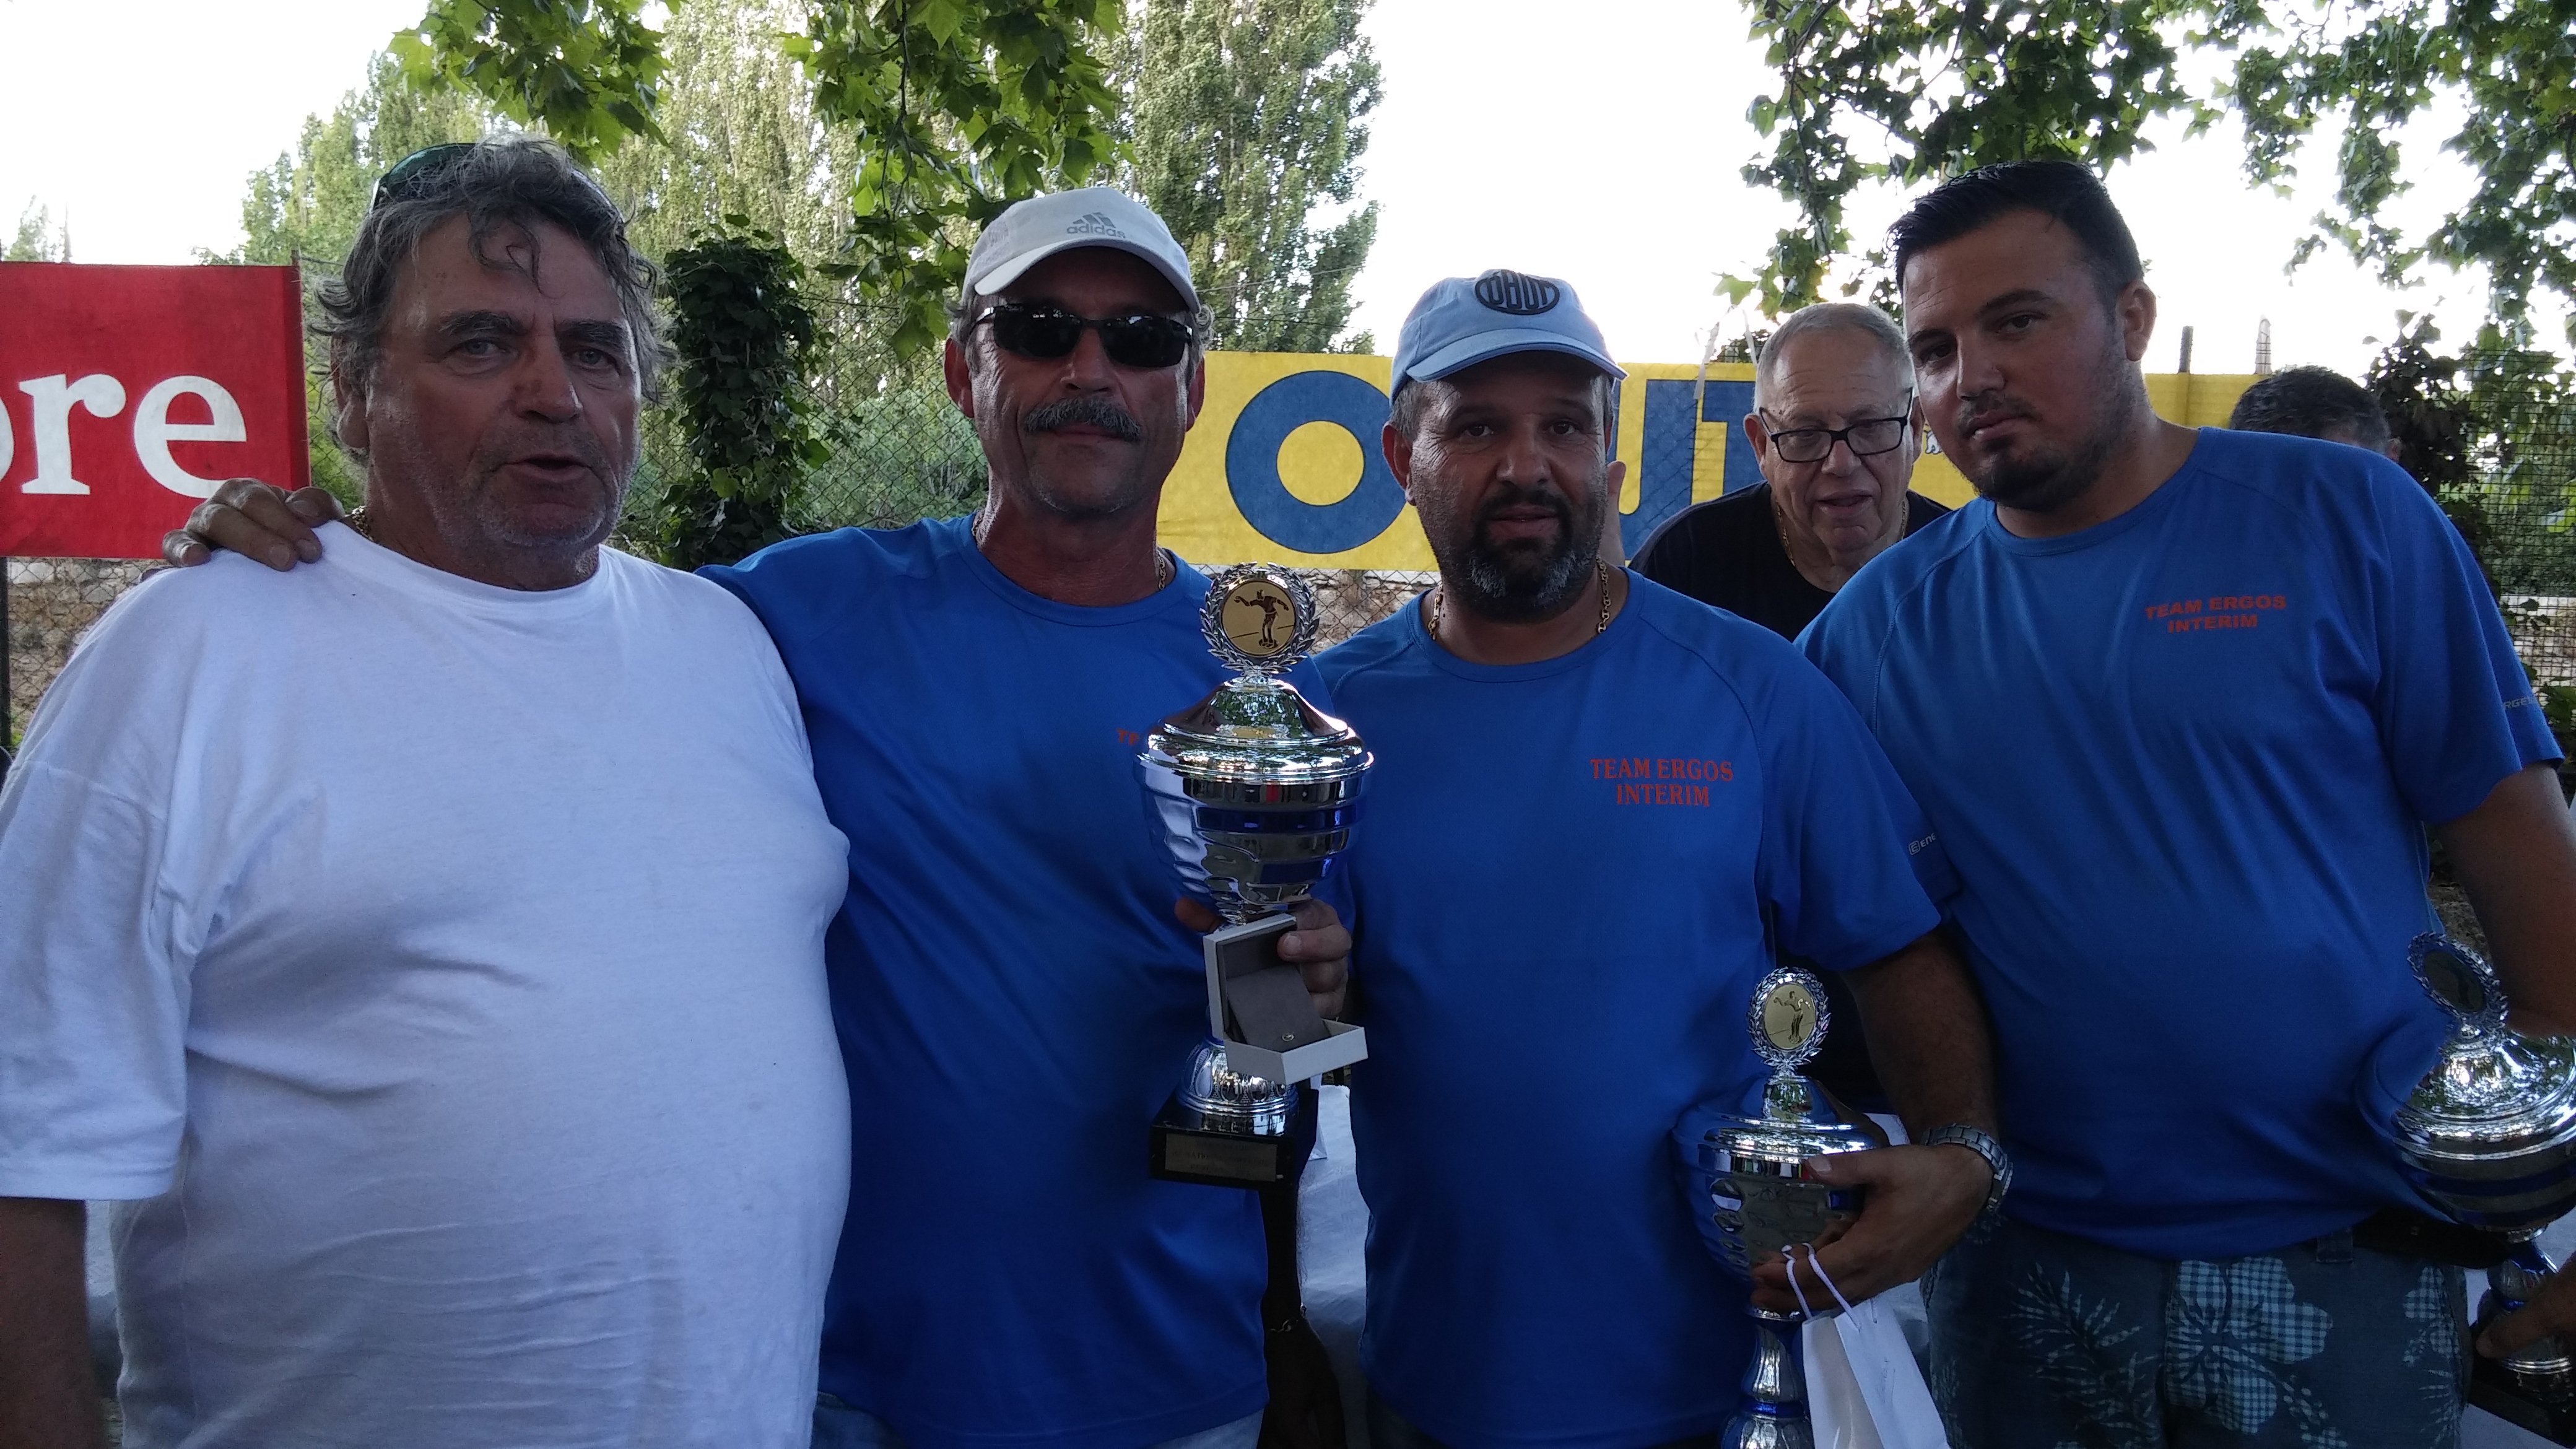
x: 744, y: 337
x: 1939, y: 88
x: 1246, y: 116
x: 585, y: 70
x: 959, y: 107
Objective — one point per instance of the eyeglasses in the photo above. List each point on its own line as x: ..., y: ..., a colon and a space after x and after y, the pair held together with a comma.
x: 1036, y: 330
x: 1866, y: 438
x: 416, y: 170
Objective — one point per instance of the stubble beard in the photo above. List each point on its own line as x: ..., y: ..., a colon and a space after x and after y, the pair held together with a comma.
x: 2046, y: 481
x: 1522, y: 583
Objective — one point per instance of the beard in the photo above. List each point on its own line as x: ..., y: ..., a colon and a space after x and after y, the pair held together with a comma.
x: 2043, y: 479
x: 1523, y: 580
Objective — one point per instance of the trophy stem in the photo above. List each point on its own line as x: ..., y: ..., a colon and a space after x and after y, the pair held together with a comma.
x: 1774, y: 1415
x: 2541, y: 1370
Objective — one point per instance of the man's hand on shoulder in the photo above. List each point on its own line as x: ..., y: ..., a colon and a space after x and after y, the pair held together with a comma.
x: 256, y: 520
x: 1920, y: 1199
x: 1319, y: 947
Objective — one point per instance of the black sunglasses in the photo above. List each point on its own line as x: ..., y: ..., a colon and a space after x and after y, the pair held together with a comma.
x: 1044, y: 332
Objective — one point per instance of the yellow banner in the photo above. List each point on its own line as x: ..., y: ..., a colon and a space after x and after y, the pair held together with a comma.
x: 1283, y: 465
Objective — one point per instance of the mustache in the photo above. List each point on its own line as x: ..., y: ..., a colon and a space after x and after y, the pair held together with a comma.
x: 1094, y: 412
x: 1543, y: 496
x: 1992, y: 407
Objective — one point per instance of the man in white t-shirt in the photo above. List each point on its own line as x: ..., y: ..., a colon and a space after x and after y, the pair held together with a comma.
x: 423, y: 949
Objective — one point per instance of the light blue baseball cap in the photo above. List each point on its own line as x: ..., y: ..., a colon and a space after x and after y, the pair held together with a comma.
x: 1462, y: 321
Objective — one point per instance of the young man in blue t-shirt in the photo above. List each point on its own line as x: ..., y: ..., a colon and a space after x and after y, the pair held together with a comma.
x: 2180, y: 705
x: 1591, y: 796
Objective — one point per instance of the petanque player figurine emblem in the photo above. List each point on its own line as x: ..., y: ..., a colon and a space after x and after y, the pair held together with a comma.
x: 1757, y: 1199
x: 1251, y: 793
x: 2488, y: 1139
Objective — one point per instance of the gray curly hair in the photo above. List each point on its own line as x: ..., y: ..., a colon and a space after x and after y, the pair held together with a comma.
x: 504, y: 183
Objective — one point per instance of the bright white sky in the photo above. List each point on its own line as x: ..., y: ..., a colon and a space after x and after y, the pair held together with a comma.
x: 1605, y: 152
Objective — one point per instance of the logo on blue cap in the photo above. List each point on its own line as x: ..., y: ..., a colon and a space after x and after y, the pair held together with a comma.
x: 1517, y: 294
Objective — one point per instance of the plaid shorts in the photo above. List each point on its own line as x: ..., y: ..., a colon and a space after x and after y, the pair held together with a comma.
x: 2042, y: 1341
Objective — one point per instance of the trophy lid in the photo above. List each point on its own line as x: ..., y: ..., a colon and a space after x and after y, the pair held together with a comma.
x: 1260, y: 618
x: 2489, y: 1134
x: 1256, y: 728
x: 1788, y: 1018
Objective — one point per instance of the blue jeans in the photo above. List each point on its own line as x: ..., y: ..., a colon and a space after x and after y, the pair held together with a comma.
x: 839, y: 1426
x: 2039, y: 1340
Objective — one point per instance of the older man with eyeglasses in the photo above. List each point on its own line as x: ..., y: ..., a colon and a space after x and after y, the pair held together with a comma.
x: 1835, y: 432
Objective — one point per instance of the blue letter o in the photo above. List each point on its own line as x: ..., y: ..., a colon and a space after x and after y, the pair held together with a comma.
x: 1252, y: 463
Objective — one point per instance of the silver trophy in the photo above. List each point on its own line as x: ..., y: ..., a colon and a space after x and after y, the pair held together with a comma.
x: 2488, y: 1138
x: 1251, y: 793
x: 1761, y: 1199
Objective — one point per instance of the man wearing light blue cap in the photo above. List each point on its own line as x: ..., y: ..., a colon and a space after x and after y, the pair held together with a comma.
x: 1590, y: 795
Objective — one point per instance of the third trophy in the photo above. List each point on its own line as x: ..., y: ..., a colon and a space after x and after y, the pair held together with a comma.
x: 1760, y: 1198
x: 2488, y: 1138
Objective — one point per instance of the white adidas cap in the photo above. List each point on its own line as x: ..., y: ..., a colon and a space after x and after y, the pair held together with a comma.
x: 1095, y: 216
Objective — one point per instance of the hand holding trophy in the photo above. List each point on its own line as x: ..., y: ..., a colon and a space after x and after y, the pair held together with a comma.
x: 1252, y: 792
x: 1759, y: 1198
x: 2488, y: 1139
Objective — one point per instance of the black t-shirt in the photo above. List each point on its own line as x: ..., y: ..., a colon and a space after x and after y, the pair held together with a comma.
x: 1727, y: 552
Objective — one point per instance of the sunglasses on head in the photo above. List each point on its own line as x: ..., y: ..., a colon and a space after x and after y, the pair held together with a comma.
x: 413, y: 173
x: 1045, y: 332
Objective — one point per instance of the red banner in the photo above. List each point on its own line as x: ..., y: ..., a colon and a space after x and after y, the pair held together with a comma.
x: 128, y: 393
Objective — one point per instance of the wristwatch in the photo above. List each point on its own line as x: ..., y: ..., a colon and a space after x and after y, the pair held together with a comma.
x: 1998, y: 1160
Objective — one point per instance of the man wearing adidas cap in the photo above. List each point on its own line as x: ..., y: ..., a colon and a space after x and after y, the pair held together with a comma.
x: 1013, y: 995
x: 1649, y: 779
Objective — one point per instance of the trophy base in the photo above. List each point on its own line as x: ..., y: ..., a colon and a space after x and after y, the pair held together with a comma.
x: 2496, y: 1388
x: 1186, y: 1148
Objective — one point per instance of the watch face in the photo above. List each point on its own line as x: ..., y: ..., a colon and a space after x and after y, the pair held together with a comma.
x: 1788, y: 1017
x: 1259, y: 618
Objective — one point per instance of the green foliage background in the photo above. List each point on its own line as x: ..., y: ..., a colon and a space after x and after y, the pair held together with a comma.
x: 1911, y: 91
x: 849, y: 152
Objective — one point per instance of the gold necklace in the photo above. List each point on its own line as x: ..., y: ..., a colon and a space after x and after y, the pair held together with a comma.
x: 1600, y: 572
x: 356, y: 518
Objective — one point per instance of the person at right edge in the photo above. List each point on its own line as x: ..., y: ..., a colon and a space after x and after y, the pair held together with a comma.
x: 2180, y: 706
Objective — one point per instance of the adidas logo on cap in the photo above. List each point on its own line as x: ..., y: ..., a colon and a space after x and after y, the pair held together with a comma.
x: 1095, y: 223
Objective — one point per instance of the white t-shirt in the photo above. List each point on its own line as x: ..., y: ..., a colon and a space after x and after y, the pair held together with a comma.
x: 437, y: 972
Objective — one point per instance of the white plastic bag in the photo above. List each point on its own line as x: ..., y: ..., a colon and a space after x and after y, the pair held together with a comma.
x: 1863, y: 1389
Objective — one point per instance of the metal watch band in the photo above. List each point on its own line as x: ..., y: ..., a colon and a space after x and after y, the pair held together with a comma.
x: 1997, y: 1160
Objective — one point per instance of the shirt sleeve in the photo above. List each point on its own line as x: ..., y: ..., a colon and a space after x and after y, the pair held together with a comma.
x: 1852, y: 871
x: 2455, y: 708
x: 93, y: 1076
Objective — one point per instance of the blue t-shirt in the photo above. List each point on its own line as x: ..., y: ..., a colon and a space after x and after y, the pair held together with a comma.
x: 2181, y: 760
x: 1560, y: 873
x: 1015, y: 1002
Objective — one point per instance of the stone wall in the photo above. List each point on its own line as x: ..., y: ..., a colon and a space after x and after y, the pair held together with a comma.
x: 52, y: 602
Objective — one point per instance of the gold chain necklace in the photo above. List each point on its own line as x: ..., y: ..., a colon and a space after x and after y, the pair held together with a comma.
x: 1600, y: 572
